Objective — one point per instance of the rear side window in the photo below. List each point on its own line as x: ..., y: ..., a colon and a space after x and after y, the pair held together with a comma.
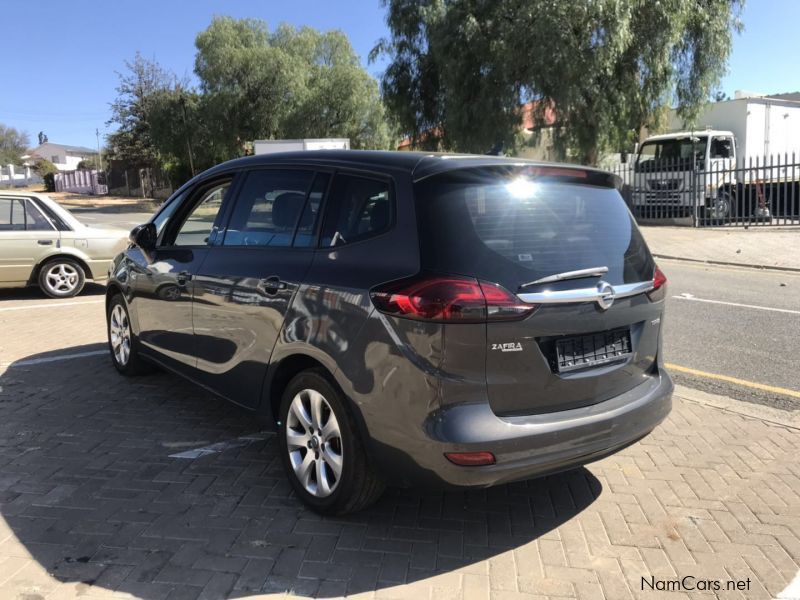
x: 268, y: 208
x: 309, y: 221
x: 34, y: 219
x: 358, y: 208
x: 511, y: 226
x: 19, y: 214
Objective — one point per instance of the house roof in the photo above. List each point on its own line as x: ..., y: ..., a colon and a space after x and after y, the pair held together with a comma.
x: 527, y: 112
x: 65, y: 148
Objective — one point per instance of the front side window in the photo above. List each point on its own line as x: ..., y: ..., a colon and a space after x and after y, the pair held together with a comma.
x: 197, y: 227
x: 268, y: 208
x: 165, y: 214
x: 721, y: 148
x: 358, y: 208
x: 12, y: 215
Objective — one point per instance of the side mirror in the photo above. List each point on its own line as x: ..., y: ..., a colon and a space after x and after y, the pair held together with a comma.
x: 144, y: 237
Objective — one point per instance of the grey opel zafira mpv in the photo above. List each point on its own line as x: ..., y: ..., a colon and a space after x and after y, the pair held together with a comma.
x: 403, y: 318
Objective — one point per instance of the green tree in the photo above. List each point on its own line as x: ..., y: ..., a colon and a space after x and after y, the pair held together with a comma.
x: 132, y: 140
x: 461, y: 68
x: 285, y: 84
x: 13, y: 144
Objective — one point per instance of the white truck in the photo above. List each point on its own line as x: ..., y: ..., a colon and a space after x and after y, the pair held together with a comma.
x: 270, y: 146
x: 741, y: 163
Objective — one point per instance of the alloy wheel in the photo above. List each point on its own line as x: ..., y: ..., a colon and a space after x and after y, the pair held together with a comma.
x: 314, y: 443
x: 61, y: 278
x: 119, y: 332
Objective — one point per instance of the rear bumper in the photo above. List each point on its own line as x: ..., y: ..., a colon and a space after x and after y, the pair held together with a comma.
x: 531, y: 446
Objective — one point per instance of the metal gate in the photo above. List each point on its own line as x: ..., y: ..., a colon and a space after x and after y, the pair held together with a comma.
x: 761, y: 192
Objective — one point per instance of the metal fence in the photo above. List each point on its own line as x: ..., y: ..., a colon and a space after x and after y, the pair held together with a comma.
x: 755, y: 192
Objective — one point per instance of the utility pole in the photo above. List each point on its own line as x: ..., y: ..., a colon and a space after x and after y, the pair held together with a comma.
x: 186, y: 132
x: 99, y: 161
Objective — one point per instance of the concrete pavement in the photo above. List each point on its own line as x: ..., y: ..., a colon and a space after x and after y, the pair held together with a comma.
x: 93, y: 502
x: 757, y: 246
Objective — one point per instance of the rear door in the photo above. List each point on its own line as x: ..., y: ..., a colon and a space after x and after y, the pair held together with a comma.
x: 26, y: 236
x: 564, y: 240
x: 247, y: 281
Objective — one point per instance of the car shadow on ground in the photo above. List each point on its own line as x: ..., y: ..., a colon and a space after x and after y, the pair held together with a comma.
x: 91, y: 490
x: 34, y: 293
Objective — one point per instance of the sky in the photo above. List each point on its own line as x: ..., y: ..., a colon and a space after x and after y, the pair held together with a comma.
x: 60, y: 60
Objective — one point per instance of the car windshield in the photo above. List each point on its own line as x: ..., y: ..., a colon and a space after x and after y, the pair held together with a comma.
x: 673, y: 152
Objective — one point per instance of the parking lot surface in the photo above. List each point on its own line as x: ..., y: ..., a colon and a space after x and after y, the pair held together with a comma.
x: 102, y: 496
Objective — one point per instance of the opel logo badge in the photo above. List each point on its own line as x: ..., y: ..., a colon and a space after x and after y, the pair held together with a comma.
x: 605, y: 295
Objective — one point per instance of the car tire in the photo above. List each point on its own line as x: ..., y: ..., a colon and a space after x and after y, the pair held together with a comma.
x: 122, y: 343
x: 61, y: 278
x: 314, y: 442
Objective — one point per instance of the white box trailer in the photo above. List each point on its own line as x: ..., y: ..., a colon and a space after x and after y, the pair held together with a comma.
x: 272, y: 146
x: 762, y: 126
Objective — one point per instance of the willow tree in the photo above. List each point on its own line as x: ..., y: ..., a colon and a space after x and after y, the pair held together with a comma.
x: 459, y: 69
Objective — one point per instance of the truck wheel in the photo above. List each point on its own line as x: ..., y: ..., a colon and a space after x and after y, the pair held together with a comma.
x: 719, y: 208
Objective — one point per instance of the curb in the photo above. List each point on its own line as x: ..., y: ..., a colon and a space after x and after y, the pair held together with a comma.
x: 790, y: 419
x: 729, y: 264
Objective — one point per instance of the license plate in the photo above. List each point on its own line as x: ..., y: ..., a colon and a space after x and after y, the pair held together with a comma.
x: 591, y: 350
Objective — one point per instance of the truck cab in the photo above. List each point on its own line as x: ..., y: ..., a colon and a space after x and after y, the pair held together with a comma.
x: 676, y: 173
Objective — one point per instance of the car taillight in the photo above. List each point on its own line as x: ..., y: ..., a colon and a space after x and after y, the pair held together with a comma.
x: 659, y: 286
x: 450, y: 299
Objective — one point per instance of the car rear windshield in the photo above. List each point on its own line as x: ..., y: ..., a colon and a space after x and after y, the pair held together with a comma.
x: 513, y: 225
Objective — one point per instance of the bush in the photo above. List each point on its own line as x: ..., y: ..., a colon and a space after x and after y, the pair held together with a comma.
x: 47, y: 171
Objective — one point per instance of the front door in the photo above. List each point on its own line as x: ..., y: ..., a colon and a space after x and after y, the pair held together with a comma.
x: 246, y: 284
x: 26, y: 236
x: 163, y: 282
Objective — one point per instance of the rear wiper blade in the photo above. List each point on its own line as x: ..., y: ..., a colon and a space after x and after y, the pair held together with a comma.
x: 591, y: 272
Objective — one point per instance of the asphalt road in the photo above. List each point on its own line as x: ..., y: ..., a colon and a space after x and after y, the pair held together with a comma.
x: 734, y: 322
x: 110, y: 216
x: 707, y: 328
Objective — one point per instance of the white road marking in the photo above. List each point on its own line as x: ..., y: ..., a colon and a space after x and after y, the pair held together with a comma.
x: 239, y: 442
x: 52, y: 305
x: 768, y: 308
x: 49, y: 359
x: 792, y: 591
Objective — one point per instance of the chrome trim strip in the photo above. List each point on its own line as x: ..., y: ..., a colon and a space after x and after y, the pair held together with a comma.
x: 591, y: 272
x: 592, y: 294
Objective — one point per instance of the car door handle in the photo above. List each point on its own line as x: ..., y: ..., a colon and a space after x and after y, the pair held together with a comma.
x: 45, y: 242
x: 271, y: 285
x: 183, y: 277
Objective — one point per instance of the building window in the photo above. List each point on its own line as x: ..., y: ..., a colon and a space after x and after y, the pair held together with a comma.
x: 54, y: 159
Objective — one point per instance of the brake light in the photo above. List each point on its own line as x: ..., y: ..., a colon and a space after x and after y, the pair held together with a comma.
x: 449, y: 298
x: 659, y: 286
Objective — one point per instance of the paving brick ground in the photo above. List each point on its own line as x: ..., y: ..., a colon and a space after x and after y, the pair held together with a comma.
x: 92, y: 505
